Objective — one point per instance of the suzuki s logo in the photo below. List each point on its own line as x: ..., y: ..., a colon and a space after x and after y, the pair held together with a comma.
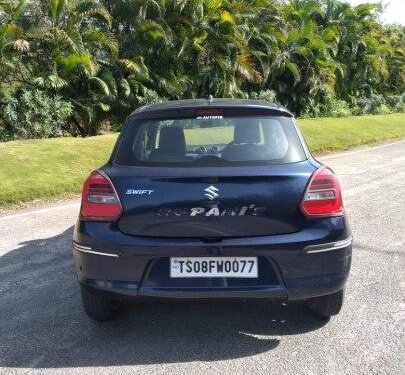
x: 211, y: 192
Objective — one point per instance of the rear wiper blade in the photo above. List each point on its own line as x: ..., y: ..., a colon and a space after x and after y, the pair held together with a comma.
x: 208, y: 159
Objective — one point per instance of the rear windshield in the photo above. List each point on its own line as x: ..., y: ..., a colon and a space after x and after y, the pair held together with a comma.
x: 210, y: 141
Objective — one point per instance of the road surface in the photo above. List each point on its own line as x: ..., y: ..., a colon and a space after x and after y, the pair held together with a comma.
x: 43, y: 329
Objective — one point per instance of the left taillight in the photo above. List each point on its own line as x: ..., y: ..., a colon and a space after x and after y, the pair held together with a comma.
x: 99, y: 199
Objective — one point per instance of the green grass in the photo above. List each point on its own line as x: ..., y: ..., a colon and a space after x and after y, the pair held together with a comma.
x: 56, y: 168
x: 332, y: 134
x: 220, y: 134
x: 49, y: 168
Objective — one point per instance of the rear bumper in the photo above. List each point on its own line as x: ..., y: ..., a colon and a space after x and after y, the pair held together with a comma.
x: 296, y: 290
x: 313, y: 262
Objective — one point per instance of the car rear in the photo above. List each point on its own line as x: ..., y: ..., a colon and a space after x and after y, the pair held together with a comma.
x: 209, y: 199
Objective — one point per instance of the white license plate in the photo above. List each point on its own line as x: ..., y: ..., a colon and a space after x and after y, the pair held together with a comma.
x: 214, y: 267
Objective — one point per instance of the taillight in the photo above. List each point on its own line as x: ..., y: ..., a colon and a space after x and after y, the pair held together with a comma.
x: 99, y: 199
x: 323, y: 196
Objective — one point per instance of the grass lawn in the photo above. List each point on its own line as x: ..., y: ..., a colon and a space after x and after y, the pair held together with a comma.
x: 56, y: 168
x: 331, y: 134
x: 217, y: 135
x: 49, y: 168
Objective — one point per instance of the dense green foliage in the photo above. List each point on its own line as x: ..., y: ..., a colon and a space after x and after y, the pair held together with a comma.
x: 33, y: 114
x: 106, y: 57
x: 43, y: 169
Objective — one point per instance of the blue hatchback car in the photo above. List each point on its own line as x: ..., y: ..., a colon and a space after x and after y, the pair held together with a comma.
x: 213, y: 198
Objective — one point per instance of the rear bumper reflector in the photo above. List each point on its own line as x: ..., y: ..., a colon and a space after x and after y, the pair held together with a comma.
x: 328, y: 246
x: 86, y: 249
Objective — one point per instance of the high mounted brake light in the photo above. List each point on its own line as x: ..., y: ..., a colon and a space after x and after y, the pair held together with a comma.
x: 99, y: 199
x: 323, y: 195
x: 209, y: 112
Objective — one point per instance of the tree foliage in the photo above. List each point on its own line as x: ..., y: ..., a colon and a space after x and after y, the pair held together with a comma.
x: 32, y: 114
x: 106, y: 57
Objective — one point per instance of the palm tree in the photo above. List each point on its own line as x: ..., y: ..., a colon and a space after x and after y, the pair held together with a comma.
x: 13, y: 44
x: 109, y: 56
x: 214, y: 54
x: 362, y: 48
x: 301, y: 54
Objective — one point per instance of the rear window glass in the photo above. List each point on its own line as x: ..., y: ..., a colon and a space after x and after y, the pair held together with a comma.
x: 210, y: 141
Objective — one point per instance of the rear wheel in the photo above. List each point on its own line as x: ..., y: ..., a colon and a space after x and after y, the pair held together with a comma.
x: 327, y: 306
x: 97, y: 306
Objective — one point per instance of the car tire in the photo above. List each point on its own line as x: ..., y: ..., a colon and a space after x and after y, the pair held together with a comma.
x: 327, y: 306
x: 96, y: 305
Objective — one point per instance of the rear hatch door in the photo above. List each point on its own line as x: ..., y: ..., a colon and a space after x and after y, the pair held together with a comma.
x: 211, y: 202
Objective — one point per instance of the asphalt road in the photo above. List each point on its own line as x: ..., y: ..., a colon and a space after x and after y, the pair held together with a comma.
x: 43, y: 329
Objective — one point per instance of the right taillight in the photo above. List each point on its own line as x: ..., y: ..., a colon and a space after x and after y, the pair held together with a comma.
x: 99, y: 199
x: 323, y: 195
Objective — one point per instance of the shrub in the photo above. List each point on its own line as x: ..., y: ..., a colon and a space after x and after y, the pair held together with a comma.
x: 4, y: 134
x: 34, y: 114
x: 337, y: 108
x: 149, y: 97
x: 396, y: 102
x: 330, y: 107
x: 371, y: 105
x: 267, y: 95
x: 383, y: 109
